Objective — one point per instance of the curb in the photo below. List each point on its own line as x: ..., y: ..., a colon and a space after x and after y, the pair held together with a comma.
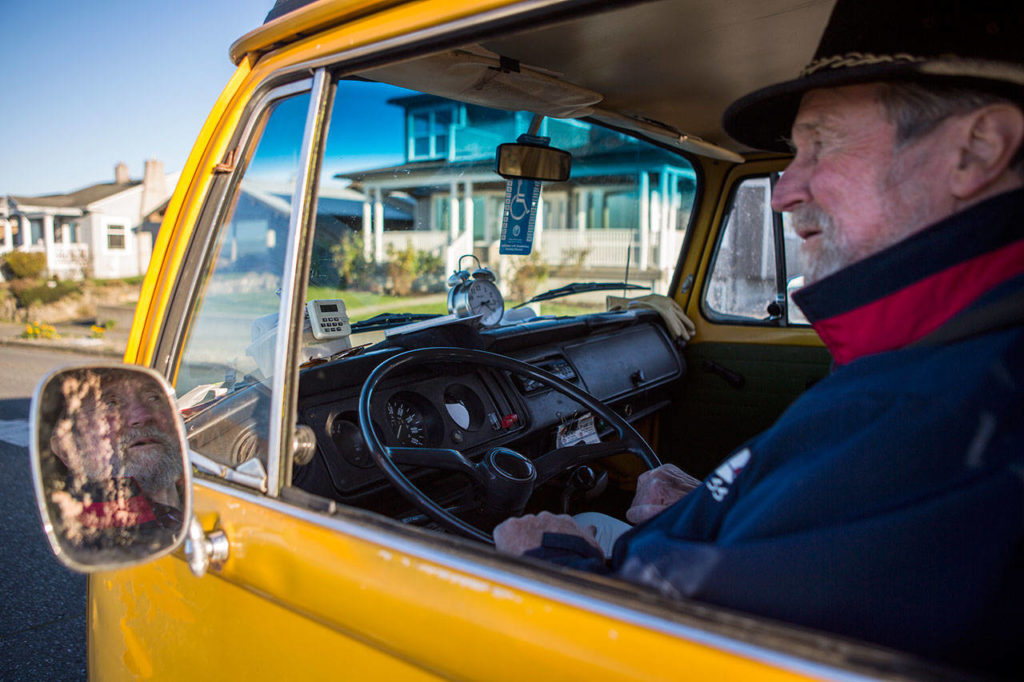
x: 58, y: 345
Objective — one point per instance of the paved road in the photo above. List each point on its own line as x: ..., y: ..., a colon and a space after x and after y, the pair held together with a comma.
x: 42, y: 604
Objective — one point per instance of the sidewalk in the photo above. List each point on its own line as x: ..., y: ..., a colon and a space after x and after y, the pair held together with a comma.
x: 74, y: 337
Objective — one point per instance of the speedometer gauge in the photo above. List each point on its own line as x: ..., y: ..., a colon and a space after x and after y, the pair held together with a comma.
x: 406, y: 421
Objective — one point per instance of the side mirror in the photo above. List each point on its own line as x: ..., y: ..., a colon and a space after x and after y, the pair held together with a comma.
x: 109, y: 462
x: 533, y: 162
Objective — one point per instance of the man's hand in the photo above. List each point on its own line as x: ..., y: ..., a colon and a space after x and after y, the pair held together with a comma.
x: 521, y: 534
x: 658, y: 489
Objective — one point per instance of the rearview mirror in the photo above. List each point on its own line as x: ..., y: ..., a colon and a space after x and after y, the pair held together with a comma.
x: 110, y: 466
x: 533, y: 162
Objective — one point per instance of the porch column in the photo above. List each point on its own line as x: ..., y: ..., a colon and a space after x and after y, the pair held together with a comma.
x: 367, y: 227
x: 467, y: 208
x: 51, y: 255
x: 598, y: 209
x: 378, y: 225
x: 667, y: 251
x: 453, y: 212
x: 490, y: 220
x: 538, y: 225
x: 25, y: 229
x: 666, y: 225
x: 581, y: 209
x: 645, y: 218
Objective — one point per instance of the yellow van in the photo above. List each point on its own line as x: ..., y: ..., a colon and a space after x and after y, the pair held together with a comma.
x: 416, y: 257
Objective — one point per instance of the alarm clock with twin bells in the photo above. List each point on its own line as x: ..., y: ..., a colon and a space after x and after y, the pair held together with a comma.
x: 475, y: 293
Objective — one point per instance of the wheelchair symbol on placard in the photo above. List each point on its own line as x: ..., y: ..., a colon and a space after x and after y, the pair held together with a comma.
x: 519, y: 207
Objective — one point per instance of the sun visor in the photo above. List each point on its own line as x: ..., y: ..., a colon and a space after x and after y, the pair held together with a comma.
x: 482, y: 77
x: 666, y: 135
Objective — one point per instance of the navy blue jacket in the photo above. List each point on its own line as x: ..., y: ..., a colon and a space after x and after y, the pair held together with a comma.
x: 887, y: 502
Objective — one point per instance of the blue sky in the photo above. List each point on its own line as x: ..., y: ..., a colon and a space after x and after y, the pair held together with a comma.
x: 89, y: 84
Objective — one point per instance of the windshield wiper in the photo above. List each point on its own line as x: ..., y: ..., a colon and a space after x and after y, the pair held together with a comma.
x: 579, y: 288
x: 388, y: 320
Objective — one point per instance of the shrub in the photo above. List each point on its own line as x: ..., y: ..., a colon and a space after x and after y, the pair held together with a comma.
x: 25, y: 264
x: 29, y: 292
x: 409, y: 265
x: 354, y: 270
x: 402, y: 266
x: 430, y: 272
x: 529, y: 273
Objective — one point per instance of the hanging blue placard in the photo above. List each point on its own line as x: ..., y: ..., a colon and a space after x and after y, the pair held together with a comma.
x: 521, y: 200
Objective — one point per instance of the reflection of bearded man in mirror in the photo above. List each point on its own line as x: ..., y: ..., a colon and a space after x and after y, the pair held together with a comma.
x: 117, y: 430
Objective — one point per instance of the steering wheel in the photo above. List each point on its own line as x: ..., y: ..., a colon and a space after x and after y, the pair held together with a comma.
x: 507, y: 477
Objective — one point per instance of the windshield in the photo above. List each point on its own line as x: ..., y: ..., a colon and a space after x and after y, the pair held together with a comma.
x: 407, y: 195
x: 408, y: 187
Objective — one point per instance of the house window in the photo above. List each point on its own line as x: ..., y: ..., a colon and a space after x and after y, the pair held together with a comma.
x: 35, y: 230
x: 116, y: 237
x: 430, y: 132
x: 65, y: 231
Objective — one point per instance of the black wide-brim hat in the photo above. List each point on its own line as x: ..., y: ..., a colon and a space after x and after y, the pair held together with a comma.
x: 967, y: 43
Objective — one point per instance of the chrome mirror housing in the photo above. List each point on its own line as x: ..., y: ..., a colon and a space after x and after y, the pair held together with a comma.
x: 110, y: 467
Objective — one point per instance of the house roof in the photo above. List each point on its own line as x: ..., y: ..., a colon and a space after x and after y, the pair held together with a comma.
x: 79, y: 198
x: 439, y: 172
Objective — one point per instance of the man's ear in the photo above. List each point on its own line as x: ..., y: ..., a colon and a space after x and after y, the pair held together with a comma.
x: 987, y: 139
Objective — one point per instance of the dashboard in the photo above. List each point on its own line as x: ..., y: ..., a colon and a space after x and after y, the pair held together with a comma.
x: 624, y: 358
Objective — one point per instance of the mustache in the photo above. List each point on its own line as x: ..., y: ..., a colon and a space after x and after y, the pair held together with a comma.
x: 806, y: 217
x: 144, y: 433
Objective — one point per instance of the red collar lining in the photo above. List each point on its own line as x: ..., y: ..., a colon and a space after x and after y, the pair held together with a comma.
x: 918, y: 309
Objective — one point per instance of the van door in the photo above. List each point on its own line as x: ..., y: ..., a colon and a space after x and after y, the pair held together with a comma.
x: 312, y: 589
x: 754, y: 352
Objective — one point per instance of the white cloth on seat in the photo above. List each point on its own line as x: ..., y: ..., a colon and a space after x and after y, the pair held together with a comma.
x: 608, y: 529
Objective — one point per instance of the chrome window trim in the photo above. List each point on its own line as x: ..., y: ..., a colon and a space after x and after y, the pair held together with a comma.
x: 548, y: 590
x: 189, y: 279
x: 283, y: 396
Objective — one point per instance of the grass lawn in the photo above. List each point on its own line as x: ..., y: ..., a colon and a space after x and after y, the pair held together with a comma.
x: 361, y: 305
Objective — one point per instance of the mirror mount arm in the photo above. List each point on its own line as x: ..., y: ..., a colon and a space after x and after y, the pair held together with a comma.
x: 203, y: 550
x: 535, y: 125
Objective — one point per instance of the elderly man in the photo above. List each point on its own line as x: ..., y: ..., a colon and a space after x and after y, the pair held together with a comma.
x: 117, y: 439
x: 886, y: 502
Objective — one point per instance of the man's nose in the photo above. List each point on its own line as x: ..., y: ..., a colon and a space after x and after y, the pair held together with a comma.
x: 792, y: 188
x: 138, y: 413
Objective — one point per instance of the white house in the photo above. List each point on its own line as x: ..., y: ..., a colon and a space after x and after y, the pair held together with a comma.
x: 97, y: 231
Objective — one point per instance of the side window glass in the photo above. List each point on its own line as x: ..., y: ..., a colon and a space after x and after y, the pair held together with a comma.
x: 231, y: 340
x: 756, y: 266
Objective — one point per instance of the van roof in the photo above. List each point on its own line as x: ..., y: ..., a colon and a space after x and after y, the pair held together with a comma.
x: 675, y: 64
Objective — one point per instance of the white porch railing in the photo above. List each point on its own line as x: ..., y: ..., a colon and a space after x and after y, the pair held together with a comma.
x: 69, y: 260
x: 601, y: 248
x: 460, y: 246
x: 63, y: 260
x: 422, y: 240
x: 587, y: 248
x: 593, y: 248
x: 433, y: 241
